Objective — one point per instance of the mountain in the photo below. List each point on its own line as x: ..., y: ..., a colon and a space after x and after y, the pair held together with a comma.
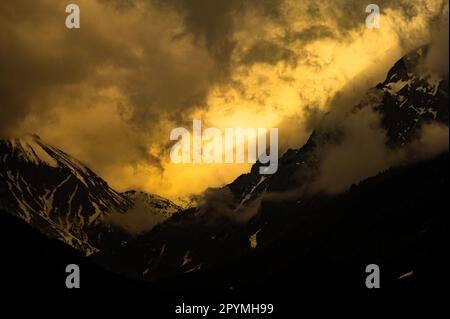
x: 397, y: 219
x: 258, y: 232
x: 62, y: 197
x: 405, y: 101
x: 255, y: 213
x: 411, y: 97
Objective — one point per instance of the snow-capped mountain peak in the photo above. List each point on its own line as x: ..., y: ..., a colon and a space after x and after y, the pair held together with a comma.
x: 53, y: 191
x: 31, y: 149
x: 61, y: 196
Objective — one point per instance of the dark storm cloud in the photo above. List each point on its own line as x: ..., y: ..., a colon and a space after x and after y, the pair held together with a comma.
x: 211, y: 20
x: 312, y: 33
x: 119, y: 4
x: 212, y: 23
x: 159, y: 74
x: 153, y: 82
x: 267, y: 52
x: 107, y: 84
x: 37, y: 63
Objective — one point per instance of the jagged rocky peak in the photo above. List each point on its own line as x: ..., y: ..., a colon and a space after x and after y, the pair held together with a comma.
x: 411, y: 96
x: 410, y: 71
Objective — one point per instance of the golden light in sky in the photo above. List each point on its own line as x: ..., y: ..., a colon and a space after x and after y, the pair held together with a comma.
x: 111, y: 92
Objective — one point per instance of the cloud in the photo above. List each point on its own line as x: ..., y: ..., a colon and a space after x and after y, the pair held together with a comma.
x: 110, y: 92
x: 362, y: 151
x: 267, y: 52
x: 136, y: 220
x: 217, y: 203
x: 437, y: 59
x: 433, y: 140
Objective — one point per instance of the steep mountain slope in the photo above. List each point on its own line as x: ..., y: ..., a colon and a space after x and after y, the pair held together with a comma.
x: 62, y: 197
x: 53, y: 191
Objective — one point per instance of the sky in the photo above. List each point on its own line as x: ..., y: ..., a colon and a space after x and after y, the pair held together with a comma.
x: 110, y: 92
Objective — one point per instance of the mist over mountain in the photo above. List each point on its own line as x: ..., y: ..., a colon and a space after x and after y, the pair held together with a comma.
x: 369, y: 185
